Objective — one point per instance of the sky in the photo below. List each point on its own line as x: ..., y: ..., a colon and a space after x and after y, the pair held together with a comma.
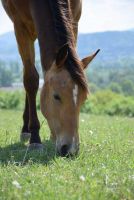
x: 97, y: 15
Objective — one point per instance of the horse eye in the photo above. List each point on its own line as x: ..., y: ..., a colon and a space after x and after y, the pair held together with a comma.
x: 57, y: 97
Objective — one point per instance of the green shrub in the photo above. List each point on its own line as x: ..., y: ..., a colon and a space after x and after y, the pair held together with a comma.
x: 128, y: 87
x: 100, y: 102
x: 89, y: 105
x: 110, y: 103
x: 9, y: 100
x: 115, y: 87
x: 122, y: 106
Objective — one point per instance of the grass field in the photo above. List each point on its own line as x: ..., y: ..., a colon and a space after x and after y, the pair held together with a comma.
x: 103, y: 170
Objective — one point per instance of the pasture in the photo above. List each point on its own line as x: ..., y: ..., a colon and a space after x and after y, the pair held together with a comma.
x: 103, y: 170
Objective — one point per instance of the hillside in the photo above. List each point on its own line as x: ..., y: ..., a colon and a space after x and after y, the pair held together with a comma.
x: 115, y: 46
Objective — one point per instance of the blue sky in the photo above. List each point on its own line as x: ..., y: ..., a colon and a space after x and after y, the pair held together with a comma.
x: 97, y: 15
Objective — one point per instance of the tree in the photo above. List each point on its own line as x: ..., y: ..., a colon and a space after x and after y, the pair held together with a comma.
x: 6, y: 77
x: 128, y: 87
x: 115, y: 87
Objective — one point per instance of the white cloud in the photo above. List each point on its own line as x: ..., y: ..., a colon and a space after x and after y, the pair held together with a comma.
x: 107, y: 15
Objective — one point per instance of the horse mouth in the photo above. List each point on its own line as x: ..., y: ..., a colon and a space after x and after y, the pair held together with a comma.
x: 68, y: 150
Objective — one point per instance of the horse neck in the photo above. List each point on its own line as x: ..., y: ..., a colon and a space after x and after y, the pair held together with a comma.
x: 48, y: 48
x: 47, y: 34
x: 45, y: 30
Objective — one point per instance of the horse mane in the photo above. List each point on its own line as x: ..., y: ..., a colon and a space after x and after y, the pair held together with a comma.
x: 62, y: 18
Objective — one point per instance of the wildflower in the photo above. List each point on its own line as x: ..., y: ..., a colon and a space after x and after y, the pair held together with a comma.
x: 27, y: 193
x: 91, y: 132
x: 106, y: 179
x: 82, y: 178
x: 16, y: 184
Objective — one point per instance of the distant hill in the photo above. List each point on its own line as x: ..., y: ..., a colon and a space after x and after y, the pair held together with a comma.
x: 8, y: 47
x: 114, y: 45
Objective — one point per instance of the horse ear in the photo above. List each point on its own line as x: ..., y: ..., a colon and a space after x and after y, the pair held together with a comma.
x: 87, y: 60
x: 62, y: 55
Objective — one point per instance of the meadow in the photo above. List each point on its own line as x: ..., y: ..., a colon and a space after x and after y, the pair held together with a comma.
x: 103, y: 170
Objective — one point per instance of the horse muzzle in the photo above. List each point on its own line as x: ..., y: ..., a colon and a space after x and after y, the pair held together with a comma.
x: 67, y: 149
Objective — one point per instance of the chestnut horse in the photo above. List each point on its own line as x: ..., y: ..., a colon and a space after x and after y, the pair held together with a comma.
x: 55, y: 24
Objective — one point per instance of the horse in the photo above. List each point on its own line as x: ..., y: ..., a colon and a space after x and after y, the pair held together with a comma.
x: 55, y: 24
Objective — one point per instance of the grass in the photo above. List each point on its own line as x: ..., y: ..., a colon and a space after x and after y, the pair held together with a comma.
x: 103, y: 170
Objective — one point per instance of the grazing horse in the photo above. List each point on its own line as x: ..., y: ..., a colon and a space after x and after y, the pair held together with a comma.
x: 55, y: 24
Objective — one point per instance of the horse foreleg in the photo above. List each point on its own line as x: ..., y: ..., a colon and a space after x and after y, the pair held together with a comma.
x: 31, y: 84
x: 25, y: 133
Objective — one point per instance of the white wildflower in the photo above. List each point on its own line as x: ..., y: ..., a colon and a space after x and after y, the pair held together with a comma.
x: 82, y: 178
x: 131, y: 177
x: 91, y: 132
x: 106, y: 179
x: 16, y: 184
x: 103, y: 166
x: 27, y: 193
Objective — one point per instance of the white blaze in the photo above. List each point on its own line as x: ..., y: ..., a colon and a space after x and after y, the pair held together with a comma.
x: 75, y: 94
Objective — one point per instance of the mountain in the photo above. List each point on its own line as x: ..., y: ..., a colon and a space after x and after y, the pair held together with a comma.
x: 9, y: 50
x: 114, y: 45
x: 8, y: 47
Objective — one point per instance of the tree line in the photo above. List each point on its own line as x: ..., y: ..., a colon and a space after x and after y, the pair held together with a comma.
x: 118, y: 79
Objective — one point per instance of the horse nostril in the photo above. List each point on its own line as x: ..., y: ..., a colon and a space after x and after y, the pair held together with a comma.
x: 64, y: 150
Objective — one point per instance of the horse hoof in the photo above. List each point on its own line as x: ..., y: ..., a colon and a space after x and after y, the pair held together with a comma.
x: 35, y: 146
x: 24, y: 137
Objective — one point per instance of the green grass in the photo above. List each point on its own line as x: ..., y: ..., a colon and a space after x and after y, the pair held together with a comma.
x: 103, y: 170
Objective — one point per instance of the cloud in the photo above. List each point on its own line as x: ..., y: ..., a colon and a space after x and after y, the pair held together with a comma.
x: 107, y: 15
